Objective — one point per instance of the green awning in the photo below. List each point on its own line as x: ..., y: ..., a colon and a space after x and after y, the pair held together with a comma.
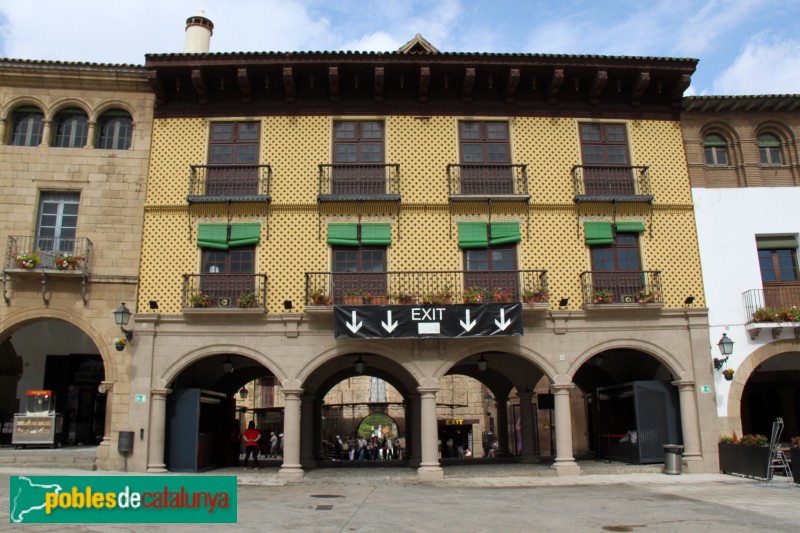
x: 598, y: 233
x: 630, y: 227
x: 768, y: 141
x: 213, y: 236
x: 505, y: 233
x: 777, y: 242
x: 472, y: 235
x: 244, y: 234
x: 376, y: 234
x: 343, y: 234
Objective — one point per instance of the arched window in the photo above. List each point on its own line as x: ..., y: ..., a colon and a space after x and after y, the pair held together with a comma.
x: 26, y: 126
x: 116, y: 130
x: 769, y: 148
x: 716, y: 150
x: 71, y: 127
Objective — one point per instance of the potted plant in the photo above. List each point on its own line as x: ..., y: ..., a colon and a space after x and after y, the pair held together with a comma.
x: 648, y: 296
x: 728, y: 374
x: 403, y: 297
x: 199, y: 299
x: 766, y: 314
x: 354, y: 297
x: 119, y: 343
x: 602, y: 296
x: 475, y: 295
x: 29, y: 259
x: 368, y: 298
x: 535, y: 296
x: 247, y: 300
x: 501, y: 295
x: 748, y: 456
x: 68, y: 262
x: 319, y: 297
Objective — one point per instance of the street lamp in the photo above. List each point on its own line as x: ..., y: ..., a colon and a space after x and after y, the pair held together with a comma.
x: 122, y: 316
x: 483, y: 364
x: 243, y: 392
x: 725, y: 345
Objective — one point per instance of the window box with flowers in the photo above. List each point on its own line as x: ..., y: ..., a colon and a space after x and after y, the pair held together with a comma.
x: 29, y: 259
x: 502, y: 295
x: 200, y: 299
x: 602, y: 296
x: 748, y: 456
x: 535, y: 296
x: 777, y: 314
x: 475, y: 295
x: 404, y: 298
x: 119, y: 343
x: 648, y: 296
x: 440, y: 297
x: 247, y: 300
x: 68, y: 262
x: 319, y: 297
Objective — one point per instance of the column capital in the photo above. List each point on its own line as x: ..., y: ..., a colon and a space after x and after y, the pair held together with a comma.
x: 525, y: 394
x: 427, y: 391
x: 685, y: 384
x: 563, y: 388
x: 105, y: 387
x: 293, y: 393
x: 160, y: 392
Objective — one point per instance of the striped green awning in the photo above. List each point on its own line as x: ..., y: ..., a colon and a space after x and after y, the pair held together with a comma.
x: 343, y: 234
x: 598, y: 233
x: 630, y: 227
x: 505, y: 233
x: 213, y: 236
x: 376, y: 234
x: 244, y: 234
x: 472, y: 235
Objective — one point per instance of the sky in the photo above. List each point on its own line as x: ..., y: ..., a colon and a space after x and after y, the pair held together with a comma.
x: 744, y: 46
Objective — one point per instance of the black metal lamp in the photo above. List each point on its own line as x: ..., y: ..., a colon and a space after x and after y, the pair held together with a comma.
x: 360, y: 366
x: 483, y: 364
x: 725, y: 345
x: 227, y: 365
x: 122, y: 316
x: 243, y: 392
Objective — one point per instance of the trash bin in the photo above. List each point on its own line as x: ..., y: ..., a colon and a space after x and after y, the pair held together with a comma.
x: 125, y: 442
x: 672, y: 458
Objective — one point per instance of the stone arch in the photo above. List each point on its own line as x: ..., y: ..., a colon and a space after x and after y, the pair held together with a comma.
x: 776, y: 127
x: 18, y: 101
x: 745, y: 369
x: 186, y: 360
x: 664, y: 357
x: 19, y: 320
x: 109, y: 105
x: 476, y: 348
x: 65, y: 103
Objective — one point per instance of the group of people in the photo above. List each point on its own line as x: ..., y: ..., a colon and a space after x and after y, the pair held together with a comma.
x: 254, y: 445
x: 373, y: 448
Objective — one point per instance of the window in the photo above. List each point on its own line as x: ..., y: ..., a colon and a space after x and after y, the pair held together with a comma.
x: 604, y: 148
x: 26, y: 127
x: 716, y: 150
x: 57, y: 224
x: 769, y: 149
x: 358, y: 270
x: 358, y: 158
x: 617, y: 268
x: 228, y: 274
x: 777, y: 259
x: 233, y: 159
x: 116, y: 130
x: 491, y: 268
x: 71, y: 128
x: 485, y: 158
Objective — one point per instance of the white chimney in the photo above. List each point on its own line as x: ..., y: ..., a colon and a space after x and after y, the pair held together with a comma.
x: 198, y: 34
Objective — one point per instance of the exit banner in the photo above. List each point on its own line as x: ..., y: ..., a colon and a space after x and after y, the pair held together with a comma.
x: 426, y: 321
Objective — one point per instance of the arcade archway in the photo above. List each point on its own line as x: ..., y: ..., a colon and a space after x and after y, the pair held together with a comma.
x: 772, y: 390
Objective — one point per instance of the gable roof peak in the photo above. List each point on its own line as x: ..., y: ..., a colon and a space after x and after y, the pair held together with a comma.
x: 418, y: 45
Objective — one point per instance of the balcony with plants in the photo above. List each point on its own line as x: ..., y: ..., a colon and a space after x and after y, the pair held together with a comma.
x: 436, y: 288
x: 622, y: 289
x: 224, y: 293
x: 772, y: 308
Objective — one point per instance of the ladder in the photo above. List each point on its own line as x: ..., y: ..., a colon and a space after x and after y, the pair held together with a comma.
x: 777, y: 458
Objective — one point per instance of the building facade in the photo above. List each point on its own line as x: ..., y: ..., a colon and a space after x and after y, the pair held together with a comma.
x: 74, y: 143
x: 522, y: 220
x: 743, y: 166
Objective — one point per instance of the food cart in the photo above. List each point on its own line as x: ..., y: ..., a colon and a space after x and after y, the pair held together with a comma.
x: 39, y: 425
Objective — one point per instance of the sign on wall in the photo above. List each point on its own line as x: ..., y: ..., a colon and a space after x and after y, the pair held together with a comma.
x: 426, y: 321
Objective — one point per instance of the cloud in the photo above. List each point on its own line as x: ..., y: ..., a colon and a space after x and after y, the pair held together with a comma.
x: 768, y: 64
x: 700, y: 31
x: 374, y: 42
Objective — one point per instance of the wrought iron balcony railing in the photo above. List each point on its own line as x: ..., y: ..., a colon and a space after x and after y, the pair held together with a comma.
x: 625, y: 183
x: 48, y: 253
x: 772, y: 304
x: 428, y: 287
x: 622, y: 287
x: 379, y: 181
x: 243, y: 291
x: 487, y: 180
x: 229, y: 182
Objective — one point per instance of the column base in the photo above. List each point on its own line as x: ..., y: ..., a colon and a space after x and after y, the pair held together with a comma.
x: 567, y: 468
x: 693, y: 464
x: 291, y: 472
x: 157, y: 469
x: 430, y: 473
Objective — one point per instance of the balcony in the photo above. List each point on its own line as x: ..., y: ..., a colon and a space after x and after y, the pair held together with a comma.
x: 224, y: 293
x: 618, y: 289
x: 611, y: 183
x: 359, y: 182
x: 772, y: 308
x: 427, y: 288
x: 47, y: 257
x: 229, y: 183
x: 469, y: 182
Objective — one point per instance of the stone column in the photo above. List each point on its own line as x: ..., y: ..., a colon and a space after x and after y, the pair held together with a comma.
x: 106, y: 388
x: 46, y: 129
x: 413, y: 432
x: 689, y: 423
x: 291, y: 467
x: 429, y: 468
x: 526, y: 414
x: 3, y: 124
x: 565, y: 463
x: 306, y: 431
x: 91, y: 129
x: 501, y: 405
x: 158, y: 425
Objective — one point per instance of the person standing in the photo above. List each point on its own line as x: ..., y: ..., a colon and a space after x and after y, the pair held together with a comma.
x: 273, y: 444
x: 251, y: 437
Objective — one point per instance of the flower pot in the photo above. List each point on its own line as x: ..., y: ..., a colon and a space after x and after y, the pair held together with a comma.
x: 750, y: 461
x: 119, y: 347
x: 351, y: 300
x: 728, y: 377
x: 376, y: 300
